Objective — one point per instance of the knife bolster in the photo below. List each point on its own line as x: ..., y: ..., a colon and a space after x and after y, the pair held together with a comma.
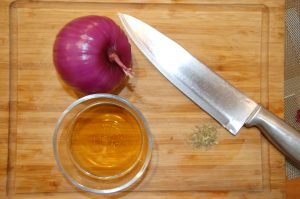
x: 279, y: 133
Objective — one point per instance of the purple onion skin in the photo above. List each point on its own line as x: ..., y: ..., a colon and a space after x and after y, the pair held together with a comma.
x: 81, y: 54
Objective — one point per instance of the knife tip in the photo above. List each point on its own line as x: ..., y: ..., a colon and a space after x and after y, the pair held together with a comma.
x: 122, y: 17
x: 120, y: 14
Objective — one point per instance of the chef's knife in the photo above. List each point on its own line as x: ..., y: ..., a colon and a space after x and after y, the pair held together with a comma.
x: 217, y: 97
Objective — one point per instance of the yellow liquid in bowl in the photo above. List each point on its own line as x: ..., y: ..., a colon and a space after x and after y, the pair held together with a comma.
x: 106, y: 141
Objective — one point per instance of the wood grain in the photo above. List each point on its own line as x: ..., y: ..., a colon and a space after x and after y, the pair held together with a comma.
x: 243, y: 42
x: 292, y: 188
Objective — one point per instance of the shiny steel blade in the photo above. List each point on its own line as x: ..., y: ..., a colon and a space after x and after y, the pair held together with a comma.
x: 213, y: 94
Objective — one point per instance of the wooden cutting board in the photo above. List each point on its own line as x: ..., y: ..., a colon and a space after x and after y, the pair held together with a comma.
x: 240, y: 40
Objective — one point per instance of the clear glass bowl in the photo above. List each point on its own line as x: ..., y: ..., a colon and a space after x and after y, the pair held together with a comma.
x: 102, y: 143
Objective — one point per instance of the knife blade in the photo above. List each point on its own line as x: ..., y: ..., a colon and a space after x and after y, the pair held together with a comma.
x: 225, y: 103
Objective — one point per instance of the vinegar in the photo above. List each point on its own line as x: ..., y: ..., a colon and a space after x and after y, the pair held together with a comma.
x: 106, y: 141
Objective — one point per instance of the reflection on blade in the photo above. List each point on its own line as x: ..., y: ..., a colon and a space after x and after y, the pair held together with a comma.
x: 208, y: 90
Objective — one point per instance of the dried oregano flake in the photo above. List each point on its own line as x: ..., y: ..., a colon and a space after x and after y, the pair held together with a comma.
x: 203, y: 137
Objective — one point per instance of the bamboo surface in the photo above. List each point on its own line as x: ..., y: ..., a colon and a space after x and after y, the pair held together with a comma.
x: 241, y: 40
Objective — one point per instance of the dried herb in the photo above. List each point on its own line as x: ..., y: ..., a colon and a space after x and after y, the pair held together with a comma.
x: 205, y: 136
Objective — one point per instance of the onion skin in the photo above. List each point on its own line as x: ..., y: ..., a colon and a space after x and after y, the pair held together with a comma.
x: 82, y: 54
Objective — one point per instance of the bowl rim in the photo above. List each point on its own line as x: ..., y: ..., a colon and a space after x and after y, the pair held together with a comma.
x: 148, y: 135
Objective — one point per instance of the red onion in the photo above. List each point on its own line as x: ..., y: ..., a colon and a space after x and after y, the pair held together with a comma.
x: 92, y: 54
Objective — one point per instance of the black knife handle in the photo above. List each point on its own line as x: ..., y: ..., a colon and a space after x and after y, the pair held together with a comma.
x: 283, y: 136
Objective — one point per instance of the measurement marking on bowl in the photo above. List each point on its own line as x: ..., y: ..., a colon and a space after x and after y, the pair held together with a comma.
x: 108, y: 140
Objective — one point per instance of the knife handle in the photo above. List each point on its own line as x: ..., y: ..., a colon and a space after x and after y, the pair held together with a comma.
x: 279, y: 133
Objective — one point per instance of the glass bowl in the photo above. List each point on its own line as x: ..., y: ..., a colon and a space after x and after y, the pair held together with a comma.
x: 102, y: 143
